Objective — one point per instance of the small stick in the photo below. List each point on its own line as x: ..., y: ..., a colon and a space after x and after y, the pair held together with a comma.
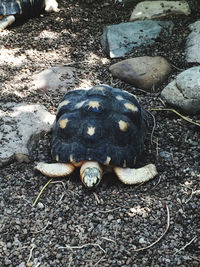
x: 44, y: 228
x: 194, y: 258
x: 40, y: 193
x: 97, y: 198
x: 82, y: 246
x: 190, y: 197
x: 61, y: 182
x: 186, y: 245
x: 33, y: 246
x: 99, y: 260
x: 116, y: 233
x: 155, y: 242
x: 154, y: 126
x: 70, y: 260
x: 193, y: 192
x: 108, y: 239
x: 176, y: 67
x: 157, y: 148
x: 162, y: 101
x: 156, y: 184
x: 61, y: 198
x: 176, y: 112
x: 140, y: 90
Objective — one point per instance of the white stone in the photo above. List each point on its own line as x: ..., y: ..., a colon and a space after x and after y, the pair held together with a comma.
x: 158, y: 9
x: 40, y: 205
x: 20, y: 122
x: 59, y: 78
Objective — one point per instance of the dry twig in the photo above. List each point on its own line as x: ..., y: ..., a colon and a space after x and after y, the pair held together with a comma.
x: 41, y: 230
x: 108, y: 239
x: 33, y: 246
x: 155, y: 242
x: 70, y: 260
x: 97, y: 198
x: 83, y: 246
x: 194, y: 258
x: 61, y: 182
x: 156, y: 184
x: 186, y: 245
x: 177, y: 67
x: 176, y: 112
x: 154, y: 126
x: 40, y: 193
x: 99, y: 260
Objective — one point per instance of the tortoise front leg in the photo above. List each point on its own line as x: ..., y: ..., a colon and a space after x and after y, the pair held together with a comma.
x: 136, y: 176
x: 55, y: 169
x: 6, y: 21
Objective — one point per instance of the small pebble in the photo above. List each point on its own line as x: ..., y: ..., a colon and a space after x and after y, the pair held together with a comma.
x: 40, y: 205
x: 142, y: 240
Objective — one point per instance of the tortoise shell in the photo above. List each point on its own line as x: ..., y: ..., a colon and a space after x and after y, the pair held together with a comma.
x: 27, y: 8
x: 104, y: 124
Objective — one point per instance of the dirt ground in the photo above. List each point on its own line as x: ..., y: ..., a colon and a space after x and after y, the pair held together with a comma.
x: 153, y: 224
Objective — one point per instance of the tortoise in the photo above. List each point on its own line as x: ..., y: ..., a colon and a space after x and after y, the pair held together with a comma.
x: 10, y: 9
x: 99, y: 129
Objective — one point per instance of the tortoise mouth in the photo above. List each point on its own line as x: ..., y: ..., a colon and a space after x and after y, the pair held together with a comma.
x: 91, y: 177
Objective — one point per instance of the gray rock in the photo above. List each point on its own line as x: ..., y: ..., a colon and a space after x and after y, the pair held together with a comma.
x: 158, y: 9
x: 165, y: 155
x: 119, y: 39
x: 142, y: 240
x: 142, y: 72
x: 55, y: 78
x: 193, y: 43
x: 20, y: 123
x: 184, y: 91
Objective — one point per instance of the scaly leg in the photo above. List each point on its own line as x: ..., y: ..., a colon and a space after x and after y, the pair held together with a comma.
x: 136, y: 176
x: 55, y: 169
x: 6, y: 21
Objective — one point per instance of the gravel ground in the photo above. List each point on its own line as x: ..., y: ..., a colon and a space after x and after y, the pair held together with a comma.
x: 154, y: 224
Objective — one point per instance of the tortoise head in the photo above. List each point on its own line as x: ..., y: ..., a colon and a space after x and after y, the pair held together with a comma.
x: 91, y: 174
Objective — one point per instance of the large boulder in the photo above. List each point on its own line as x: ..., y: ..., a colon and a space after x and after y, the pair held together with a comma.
x: 142, y: 72
x: 119, y: 39
x: 159, y: 9
x: 184, y: 91
x: 20, y: 123
x: 59, y: 78
x: 193, y: 43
